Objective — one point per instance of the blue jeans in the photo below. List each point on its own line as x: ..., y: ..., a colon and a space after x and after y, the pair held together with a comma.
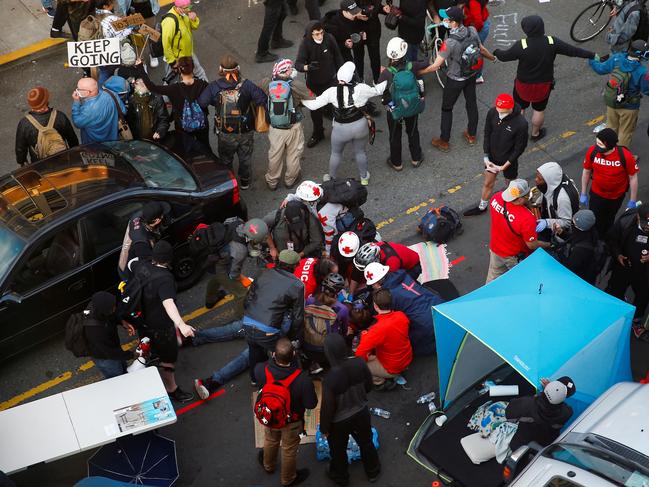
x: 225, y: 333
x: 483, y: 34
x: 413, y: 52
x: 110, y: 367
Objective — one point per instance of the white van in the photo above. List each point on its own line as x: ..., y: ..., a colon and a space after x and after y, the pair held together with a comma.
x: 607, y: 445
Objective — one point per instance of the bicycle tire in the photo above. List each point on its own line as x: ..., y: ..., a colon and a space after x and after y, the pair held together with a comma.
x: 600, y: 9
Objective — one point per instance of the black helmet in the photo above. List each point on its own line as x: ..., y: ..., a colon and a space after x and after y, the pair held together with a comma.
x: 639, y: 49
x: 333, y: 283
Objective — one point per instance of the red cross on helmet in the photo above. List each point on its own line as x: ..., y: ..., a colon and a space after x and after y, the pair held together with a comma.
x: 309, y: 191
x: 348, y: 244
x: 374, y: 272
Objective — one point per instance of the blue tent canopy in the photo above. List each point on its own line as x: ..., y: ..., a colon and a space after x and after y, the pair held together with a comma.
x: 541, y: 319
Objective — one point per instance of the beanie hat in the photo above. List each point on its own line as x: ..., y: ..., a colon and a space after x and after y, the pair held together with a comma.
x: 570, y: 385
x: 505, y: 101
x: 38, y: 98
x: 103, y: 304
x: 584, y: 220
x: 282, y: 66
x: 182, y: 3
x: 609, y: 137
x: 163, y: 252
x: 289, y: 257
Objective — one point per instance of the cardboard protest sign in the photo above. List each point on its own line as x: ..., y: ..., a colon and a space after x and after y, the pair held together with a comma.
x: 128, y: 21
x: 153, y: 34
x: 89, y: 54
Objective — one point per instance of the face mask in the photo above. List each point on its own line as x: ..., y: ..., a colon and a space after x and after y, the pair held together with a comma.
x: 294, y: 74
x: 600, y: 149
x: 446, y: 24
x: 542, y: 187
x: 619, y: 3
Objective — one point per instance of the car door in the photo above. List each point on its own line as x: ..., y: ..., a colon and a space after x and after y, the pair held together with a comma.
x: 49, y: 283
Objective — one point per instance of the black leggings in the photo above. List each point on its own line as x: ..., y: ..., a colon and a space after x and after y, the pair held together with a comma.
x: 451, y: 93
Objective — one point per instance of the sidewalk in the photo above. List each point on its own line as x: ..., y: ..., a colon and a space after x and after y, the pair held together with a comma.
x: 28, y: 30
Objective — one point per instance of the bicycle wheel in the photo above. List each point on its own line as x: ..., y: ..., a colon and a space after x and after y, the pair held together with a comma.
x: 591, y: 21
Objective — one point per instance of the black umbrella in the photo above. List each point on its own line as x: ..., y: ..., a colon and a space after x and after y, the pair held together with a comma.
x: 145, y: 459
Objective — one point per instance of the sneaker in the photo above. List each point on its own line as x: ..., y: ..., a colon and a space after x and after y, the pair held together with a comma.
x: 440, y: 144
x: 541, y: 134
x: 471, y: 139
x: 260, y: 459
x: 479, y: 80
x: 281, y: 44
x: 388, y: 385
x: 153, y: 62
x: 50, y: 11
x: 244, y: 185
x: 394, y: 166
x: 59, y: 34
x: 300, y: 476
x: 366, y: 180
x: 272, y: 188
x: 315, y: 368
x: 326, y: 178
x: 475, y: 211
x: 267, y: 57
x: 205, y: 387
x: 417, y: 163
x: 180, y: 395
x: 313, y: 141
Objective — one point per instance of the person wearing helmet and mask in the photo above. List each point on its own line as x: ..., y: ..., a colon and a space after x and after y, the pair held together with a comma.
x: 323, y: 315
x: 622, y: 109
x: 286, y: 135
x: 343, y: 251
x: 396, y: 50
x: 626, y: 24
x: 410, y: 297
x: 147, y: 113
x: 294, y: 227
x: 392, y: 254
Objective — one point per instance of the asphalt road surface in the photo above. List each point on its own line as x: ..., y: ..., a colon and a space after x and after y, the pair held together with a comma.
x: 215, y: 440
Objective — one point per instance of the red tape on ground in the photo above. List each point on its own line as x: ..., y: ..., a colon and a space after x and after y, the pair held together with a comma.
x: 191, y: 406
x: 457, y: 261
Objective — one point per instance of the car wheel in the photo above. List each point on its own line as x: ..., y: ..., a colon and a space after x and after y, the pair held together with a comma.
x: 187, y: 271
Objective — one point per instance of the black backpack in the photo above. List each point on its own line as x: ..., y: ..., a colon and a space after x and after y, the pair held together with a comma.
x: 441, y: 224
x: 347, y: 192
x: 75, y: 338
x: 157, y: 49
x: 573, y: 193
x: 129, y: 304
x: 598, y: 247
x: 470, y: 60
x: 210, y: 239
x: 642, y: 32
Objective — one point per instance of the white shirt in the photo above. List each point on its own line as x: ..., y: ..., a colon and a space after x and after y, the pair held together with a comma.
x: 362, y: 93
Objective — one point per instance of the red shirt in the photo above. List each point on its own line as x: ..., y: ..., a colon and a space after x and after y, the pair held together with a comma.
x: 475, y: 15
x: 504, y: 242
x: 388, y: 339
x: 305, y: 273
x: 405, y: 257
x: 610, y: 176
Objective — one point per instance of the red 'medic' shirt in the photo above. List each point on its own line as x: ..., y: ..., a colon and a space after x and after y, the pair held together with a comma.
x: 505, y: 242
x: 304, y: 272
x: 610, y: 176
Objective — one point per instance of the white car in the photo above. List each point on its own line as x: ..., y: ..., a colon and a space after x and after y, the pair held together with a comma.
x: 607, y: 445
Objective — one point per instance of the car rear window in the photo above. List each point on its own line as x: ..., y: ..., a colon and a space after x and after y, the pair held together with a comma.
x: 157, y: 167
x: 615, y: 469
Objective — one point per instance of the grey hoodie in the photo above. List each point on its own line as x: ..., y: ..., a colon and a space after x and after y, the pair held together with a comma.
x: 552, y: 173
x: 623, y: 28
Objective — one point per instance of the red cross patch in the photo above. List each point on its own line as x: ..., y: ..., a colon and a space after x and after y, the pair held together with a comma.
x: 253, y: 229
x: 369, y: 276
x: 347, y: 250
x: 278, y: 90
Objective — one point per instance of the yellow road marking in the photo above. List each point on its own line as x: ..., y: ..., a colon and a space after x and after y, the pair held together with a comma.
x: 568, y: 133
x: 454, y: 189
x: 595, y: 121
x: 90, y: 364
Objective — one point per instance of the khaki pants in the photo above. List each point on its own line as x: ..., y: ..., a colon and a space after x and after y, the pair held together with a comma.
x: 289, y: 438
x: 379, y: 374
x: 499, y: 265
x: 289, y: 143
x: 623, y: 121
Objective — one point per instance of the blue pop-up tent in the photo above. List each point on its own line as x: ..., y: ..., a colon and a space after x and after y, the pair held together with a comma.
x: 543, y: 321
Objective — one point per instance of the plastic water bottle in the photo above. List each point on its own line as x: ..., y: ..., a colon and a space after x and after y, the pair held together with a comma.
x: 427, y: 398
x: 431, y: 407
x: 380, y: 412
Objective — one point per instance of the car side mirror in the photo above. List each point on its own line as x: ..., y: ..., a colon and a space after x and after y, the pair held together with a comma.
x: 10, y: 299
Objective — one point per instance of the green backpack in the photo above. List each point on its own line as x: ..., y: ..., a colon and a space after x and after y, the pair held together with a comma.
x: 616, y: 91
x: 405, y: 93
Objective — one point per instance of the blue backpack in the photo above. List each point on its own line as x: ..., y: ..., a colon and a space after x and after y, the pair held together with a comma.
x: 280, y: 104
x: 441, y: 224
x: 405, y: 93
x: 192, y: 118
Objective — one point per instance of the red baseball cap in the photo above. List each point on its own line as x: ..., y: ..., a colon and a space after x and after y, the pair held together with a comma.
x: 505, y: 100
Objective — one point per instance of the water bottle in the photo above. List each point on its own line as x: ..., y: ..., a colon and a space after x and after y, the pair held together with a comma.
x: 426, y: 398
x: 380, y: 412
x: 431, y: 407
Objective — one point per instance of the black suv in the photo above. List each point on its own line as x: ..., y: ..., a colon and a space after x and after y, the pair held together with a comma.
x: 63, y: 220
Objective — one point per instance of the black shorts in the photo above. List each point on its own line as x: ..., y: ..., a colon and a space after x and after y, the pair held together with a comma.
x: 164, y: 343
x: 539, y: 106
x: 512, y: 171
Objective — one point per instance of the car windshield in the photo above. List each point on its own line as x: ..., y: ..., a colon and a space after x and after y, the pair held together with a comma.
x: 10, y: 247
x: 600, y: 463
x: 158, y: 168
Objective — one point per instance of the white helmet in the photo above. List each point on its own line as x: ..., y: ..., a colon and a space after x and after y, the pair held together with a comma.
x: 309, y: 191
x: 397, y: 48
x: 374, y: 272
x: 348, y: 244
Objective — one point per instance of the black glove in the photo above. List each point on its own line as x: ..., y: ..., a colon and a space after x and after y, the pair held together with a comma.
x: 314, y: 65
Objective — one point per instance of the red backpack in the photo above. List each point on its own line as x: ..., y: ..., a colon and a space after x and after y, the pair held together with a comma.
x: 273, y: 405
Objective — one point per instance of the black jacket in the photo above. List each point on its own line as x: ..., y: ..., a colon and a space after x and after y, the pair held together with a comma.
x: 345, y: 387
x: 102, y: 338
x: 538, y: 420
x: 582, y: 254
x: 135, y: 117
x: 621, y: 240
x: 536, y: 61
x: 341, y: 28
x: 303, y: 394
x: 371, y: 26
x: 412, y: 21
x: 506, y: 139
x: 274, y: 294
x: 326, y: 54
x: 27, y: 134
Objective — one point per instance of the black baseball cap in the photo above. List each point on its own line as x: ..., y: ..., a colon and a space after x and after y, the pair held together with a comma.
x: 452, y: 13
x: 152, y: 211
x: 350, y: 6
